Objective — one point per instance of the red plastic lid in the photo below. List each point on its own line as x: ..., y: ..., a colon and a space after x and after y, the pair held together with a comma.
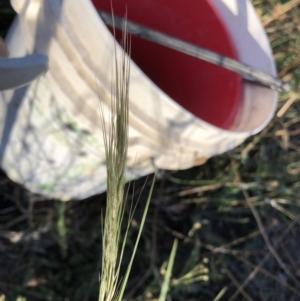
x: 208, y: 91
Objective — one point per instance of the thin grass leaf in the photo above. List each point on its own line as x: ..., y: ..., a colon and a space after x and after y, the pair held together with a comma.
x: 132, y: 211
x: 125, y: 280
x: 167, y: 278
x: 221, y: 293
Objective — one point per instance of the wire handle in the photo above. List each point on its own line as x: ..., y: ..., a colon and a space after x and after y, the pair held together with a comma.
x: 249, y: 73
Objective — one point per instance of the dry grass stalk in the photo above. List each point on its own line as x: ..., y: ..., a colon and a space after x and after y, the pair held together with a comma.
x: 116, y: 142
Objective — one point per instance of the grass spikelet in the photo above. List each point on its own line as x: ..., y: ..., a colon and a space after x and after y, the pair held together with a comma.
x: 116, y: 143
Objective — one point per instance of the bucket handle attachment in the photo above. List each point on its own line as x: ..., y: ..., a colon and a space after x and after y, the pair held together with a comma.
x: 18, y: 72
x: 248, y: 73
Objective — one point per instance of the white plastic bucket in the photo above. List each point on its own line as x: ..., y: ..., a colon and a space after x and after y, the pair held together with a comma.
x: 51, y: 131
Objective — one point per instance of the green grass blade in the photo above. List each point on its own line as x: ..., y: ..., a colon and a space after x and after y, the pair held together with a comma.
x: 125, y: 279
x: 167, y: 278
x: 221, y: 294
